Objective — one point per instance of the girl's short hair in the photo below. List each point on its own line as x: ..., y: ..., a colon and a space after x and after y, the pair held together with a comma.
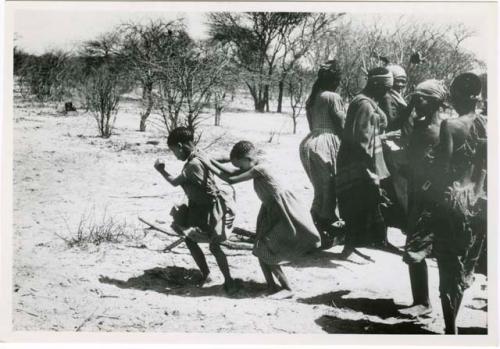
x: 241, y: 149
x: 182, y: 135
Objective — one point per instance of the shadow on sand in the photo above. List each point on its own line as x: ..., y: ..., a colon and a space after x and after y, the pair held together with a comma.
x: 383, y: 308
x: 332, y: 324
x: 183, y: 282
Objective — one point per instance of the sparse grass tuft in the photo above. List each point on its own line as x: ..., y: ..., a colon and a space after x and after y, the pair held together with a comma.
x: 96, y: 231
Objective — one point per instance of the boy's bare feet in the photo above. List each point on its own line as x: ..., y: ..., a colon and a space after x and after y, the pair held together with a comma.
x: 205, y: 280
x: 231, y: 287
x: 417, y: 310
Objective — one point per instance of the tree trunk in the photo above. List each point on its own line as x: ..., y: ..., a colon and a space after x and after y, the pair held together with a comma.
x: 218, y: 112
x: 260, y: 105
x: 295, y: 125
x: 281, y: 86
x: 148, y: 88
x: 266, y: 97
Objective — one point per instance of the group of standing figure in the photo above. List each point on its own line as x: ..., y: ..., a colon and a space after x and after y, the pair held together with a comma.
x: 431, y: 188
x: 391, y: 161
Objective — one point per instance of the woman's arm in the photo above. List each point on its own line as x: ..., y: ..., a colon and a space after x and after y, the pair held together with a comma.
x: 160, y: 167
x: 230, y: 178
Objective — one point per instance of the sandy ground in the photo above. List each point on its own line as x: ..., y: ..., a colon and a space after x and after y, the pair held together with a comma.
x: 62, y: 172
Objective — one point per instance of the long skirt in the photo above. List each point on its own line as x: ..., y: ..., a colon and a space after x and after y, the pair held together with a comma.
x: 285, y: 231
x: 318, y: 153
x: 360, y: 207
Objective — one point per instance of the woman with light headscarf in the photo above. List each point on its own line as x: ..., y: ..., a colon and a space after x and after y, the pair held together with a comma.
x: 318, y: 151
x: 460, y: 224
x: 395, y: 107
x: 393, y: 102
x: 423, y: 135
x: 361, y: 165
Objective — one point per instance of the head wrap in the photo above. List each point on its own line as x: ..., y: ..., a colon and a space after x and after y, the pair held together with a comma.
x: 329, y: 69
x: 380, y: 77
x: 432, y: 88
x: 466, y: 85
x: 397, y: 71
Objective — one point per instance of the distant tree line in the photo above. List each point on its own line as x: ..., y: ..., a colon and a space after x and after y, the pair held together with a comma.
x: 272, y: 55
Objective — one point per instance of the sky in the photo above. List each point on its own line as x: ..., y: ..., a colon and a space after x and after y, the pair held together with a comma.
x: 40, y: 30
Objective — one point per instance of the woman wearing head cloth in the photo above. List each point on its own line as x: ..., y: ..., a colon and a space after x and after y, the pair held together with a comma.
x: 393, y: 103
x: 460, y: 224
x: 395, y: 107
x: 318, y: 151
x: 423, y: 136
x: 361, y: 165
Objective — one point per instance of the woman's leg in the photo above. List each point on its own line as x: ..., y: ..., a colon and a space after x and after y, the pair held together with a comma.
x: 268, y: 275
x: 199, y: 258
x: 280, y: 275
x: 419, y: 280
x: 450, y: 291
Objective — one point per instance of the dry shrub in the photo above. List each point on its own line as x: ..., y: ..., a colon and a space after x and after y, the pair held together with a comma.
x: 96, y: 231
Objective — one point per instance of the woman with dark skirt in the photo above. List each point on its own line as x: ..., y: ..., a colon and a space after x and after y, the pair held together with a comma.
x: 421, y: 136
x: 361, y: 165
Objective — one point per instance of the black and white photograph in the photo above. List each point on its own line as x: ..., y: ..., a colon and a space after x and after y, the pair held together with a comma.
x: 250, y: 169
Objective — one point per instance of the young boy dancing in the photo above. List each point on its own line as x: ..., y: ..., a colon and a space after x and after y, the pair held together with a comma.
x: 208, y: 217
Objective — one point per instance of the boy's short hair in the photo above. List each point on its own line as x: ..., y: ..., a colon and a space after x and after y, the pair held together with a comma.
x: 182, y: 135
x: 241, y: 149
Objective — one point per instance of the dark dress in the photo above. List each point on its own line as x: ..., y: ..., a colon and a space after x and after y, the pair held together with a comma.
x: 210, y: 206
x: 361, y: 166
x: 419, y: 236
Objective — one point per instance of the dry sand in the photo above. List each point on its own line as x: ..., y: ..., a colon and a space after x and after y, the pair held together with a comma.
x: 63, y: 171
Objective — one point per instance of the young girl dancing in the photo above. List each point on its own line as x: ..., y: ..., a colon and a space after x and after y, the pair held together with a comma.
x: 285, y: 229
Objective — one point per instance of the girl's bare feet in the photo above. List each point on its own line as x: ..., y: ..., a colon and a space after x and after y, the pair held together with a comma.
x: 272, y: 289
x: 283, y: 294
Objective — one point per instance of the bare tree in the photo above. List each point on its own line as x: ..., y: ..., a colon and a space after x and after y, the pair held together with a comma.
x: 425, y: 50
x: 103, y: 96
x: 188, y: 81
x: 298, y: 41
x: 144, y: 47
x: 257, y: 38
x: 299, y: 82
x: 43, y: 76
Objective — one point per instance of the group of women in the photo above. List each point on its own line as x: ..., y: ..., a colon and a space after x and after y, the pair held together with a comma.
x: 387, y: 160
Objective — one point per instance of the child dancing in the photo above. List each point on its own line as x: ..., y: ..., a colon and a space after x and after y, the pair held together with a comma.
x: 285, y: 229
x: 209, y: 216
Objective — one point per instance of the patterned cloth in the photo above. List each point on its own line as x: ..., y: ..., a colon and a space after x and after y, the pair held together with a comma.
x: 318, y: 151
x: 460, y: 224
x: 422, y: 140
x: 285, y: 229
x: 210, y: 206
x: 360, y: 169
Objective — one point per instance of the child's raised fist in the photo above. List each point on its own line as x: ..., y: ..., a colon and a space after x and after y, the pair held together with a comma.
x: 159, y: 166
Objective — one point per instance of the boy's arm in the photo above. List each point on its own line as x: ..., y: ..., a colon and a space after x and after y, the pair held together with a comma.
x: 174, y: 181
x: 230, y: 178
